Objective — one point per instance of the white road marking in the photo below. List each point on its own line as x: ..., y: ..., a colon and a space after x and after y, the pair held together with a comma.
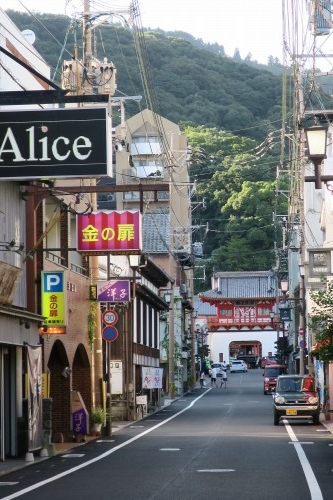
x: 103, y: 455
x: 8, y: 483
x: 136, y: 426
x: 216, y: 470
x: 73, y: 455
x: 105, y: 440
x: 310, y: 478
x: 169, y: 449
x: 301, y: 442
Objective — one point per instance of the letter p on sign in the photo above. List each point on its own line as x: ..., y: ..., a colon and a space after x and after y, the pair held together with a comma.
x: 53, y: 282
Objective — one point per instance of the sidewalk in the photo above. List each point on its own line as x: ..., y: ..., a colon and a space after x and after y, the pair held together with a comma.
x: 13, y: 464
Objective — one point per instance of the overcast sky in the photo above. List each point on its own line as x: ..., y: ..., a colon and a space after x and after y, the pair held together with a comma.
x: 252, y: 26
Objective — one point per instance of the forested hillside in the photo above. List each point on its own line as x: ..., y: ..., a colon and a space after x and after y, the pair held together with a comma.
x: 191, y: 81
x: 231, y: 112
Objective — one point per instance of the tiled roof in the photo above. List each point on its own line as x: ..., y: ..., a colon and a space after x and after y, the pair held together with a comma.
x: 247, y: 285
x: 156, y: 232
x: 203, y: 308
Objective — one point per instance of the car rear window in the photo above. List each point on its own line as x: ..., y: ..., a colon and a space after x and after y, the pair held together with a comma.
x: 274, y: 372
x: 296, y: 384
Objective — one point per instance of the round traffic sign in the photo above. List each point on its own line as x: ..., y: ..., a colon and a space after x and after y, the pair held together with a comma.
x: 109, y: 317
x: 110, y: 333
x: 302, y: 344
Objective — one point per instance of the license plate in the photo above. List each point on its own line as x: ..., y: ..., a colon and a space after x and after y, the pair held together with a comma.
x: 291, y: 412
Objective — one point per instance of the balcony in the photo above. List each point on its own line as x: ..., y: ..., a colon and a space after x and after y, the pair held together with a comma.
x: 145, y: 148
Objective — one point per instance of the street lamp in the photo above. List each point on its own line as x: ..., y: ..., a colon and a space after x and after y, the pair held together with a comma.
x: 284, y: 284
x: 316, y: 138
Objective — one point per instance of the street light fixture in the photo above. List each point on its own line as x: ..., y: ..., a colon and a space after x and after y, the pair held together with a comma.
x: 284, y: 284
x: 316, y: 138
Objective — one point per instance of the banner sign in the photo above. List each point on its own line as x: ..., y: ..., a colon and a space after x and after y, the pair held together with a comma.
x: 53, y: 298
x: 9, y: 279
x: 54, y: 143
x: 152, y: 377
x: 80, y: 418
x: 109, y: 232
x: 113, y: 291
x: 35, y: 407
x: 285, y: 314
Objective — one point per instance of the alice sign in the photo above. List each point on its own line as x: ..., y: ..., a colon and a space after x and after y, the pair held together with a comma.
x: 54, y: 143
x: 109, y: 232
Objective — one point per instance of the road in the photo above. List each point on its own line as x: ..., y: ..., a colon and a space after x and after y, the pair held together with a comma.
x: 213, y: 442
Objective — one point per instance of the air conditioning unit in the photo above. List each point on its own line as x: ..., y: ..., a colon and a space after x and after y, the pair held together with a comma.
x: 183, y: 288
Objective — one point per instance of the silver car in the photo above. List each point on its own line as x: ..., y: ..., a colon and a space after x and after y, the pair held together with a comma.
x: 218, y: 368
x: 238, y: 366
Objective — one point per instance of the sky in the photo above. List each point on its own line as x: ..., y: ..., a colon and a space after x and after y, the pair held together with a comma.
x: 252, y: 26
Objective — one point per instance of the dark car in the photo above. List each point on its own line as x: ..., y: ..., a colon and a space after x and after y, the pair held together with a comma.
x: 296, y: 398
x: 271, y: 373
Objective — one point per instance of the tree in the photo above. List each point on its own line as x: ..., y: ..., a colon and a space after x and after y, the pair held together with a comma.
x: 321, y: 321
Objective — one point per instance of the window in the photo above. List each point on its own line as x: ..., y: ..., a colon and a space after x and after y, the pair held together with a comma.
x: 263, y: 311
x: 225, y: 312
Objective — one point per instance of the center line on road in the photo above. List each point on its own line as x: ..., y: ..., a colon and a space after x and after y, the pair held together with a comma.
x: 301, y: 442
x: 169, y: 449
x: 216, y: 470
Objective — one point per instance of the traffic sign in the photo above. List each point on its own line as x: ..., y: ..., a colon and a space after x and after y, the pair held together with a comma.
x: 109, y: 317
x: 110, y: 333
x: 301, y: 331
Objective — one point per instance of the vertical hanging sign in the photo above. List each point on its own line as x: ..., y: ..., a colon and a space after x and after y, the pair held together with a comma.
x: 53, y: 298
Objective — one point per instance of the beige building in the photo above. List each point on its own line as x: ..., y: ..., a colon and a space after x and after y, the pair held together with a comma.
x: 151, y: 151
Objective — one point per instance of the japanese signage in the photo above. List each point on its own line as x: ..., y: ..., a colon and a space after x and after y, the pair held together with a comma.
x: 109, y: 232
x: 152, y: 377
x: 53, y: 298
x: 9, y: 279
x: 285, y: 314
x: 113, y: 291
x: 80, y: 422
x: 54, y: 143
x: 320, y: 262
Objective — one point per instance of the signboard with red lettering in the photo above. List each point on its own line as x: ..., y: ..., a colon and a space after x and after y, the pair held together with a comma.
x: 109, y: 317
x: 109, y: 231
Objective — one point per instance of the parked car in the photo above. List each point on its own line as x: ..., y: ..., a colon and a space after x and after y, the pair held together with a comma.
x: 218, y: 367
x: 271, y: 373
x: 296, y: 398
x: 238, y: 366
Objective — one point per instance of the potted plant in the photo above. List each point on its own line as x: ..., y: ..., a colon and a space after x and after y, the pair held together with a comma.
x: 97, y: 418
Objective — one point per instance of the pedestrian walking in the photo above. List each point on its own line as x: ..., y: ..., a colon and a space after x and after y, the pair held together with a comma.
x: 224, y: 378
x: 202, y: 378
x: 213, y: 377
